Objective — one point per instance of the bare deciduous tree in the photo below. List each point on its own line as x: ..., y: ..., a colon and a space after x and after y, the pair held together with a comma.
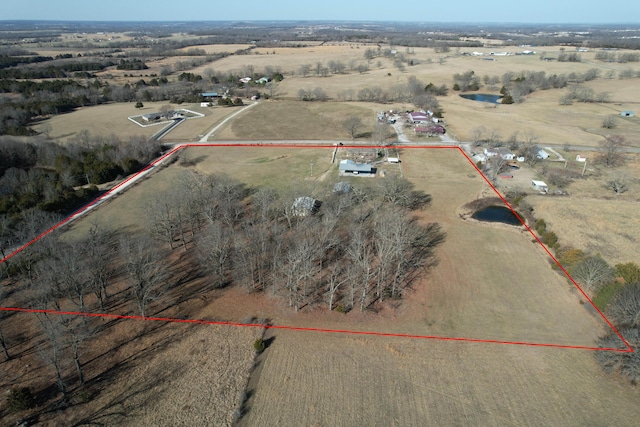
x: 304, y: 70
x: 145, y: 267
x: 478, y: 134
x: 611, y: 150
x: 610, y: 122
x: 214, y: 246
x: 352, y: 126
x: 625, y: 309
x: 592, y: 272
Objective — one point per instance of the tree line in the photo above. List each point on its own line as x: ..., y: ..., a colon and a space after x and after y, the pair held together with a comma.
x: 41, y: 180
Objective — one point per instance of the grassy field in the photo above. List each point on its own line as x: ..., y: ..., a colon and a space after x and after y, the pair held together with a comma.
x: 299, y: 120
x: 322, y: 379
x: 271, y: 167
x: 592, y: 217
x: 111, y: 119
x: 491, y: 282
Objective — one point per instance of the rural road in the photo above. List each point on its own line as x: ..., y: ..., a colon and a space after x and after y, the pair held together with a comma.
x: 206, y: 137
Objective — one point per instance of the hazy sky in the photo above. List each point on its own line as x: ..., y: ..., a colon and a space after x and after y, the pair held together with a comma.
x: 537, y: 11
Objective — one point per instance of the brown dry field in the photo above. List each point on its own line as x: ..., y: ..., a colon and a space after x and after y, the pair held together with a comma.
x: 111, y: 119
x: 324, y: 380
x: 593, y: 218
x: 492, y: 282
x: 142, y: 373
x: 218, y: 48
x: 299, y: 120
x: 578, y: 124
x: 609, y: 227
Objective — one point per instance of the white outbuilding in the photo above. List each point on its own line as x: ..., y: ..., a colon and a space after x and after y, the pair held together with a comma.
x: 540, y: 186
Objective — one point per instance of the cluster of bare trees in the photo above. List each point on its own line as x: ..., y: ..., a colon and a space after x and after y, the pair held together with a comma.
x: 361, y: 247
x: 583, y: 94
x: 320, y: 69
x: 624, y: 312
x: 80, y: 276
x: 413, y: 91
x: 355, y: 252
x: 621, y: 57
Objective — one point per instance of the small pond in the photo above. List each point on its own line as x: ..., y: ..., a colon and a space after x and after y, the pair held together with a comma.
x: 497, y: 214
x: 482, y: 97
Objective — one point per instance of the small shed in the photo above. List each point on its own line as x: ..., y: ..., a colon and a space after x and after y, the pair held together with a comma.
x: 393, y: 159
x: 627, y: 113
x: 542, y: 155
x: 540, y: 186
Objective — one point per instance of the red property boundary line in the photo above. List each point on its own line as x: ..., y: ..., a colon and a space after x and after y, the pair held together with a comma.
x: 164, y: 157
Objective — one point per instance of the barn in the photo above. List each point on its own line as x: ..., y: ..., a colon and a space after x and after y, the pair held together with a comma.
x: 350, y: 167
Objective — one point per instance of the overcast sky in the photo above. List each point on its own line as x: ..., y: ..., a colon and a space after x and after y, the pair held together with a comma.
x: 537, y: 11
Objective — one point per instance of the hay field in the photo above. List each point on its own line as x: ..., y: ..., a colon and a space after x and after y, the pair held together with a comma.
x: 298, y: 120
x: 278, y: 168
x: 107, y: 119
x: 147, y: 374
x: 196, y: 380
x: 606, y: 226
x: 324, y: 379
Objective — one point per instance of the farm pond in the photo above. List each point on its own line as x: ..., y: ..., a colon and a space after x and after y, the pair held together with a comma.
x: 482, y: 97
x: 497, y: 214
